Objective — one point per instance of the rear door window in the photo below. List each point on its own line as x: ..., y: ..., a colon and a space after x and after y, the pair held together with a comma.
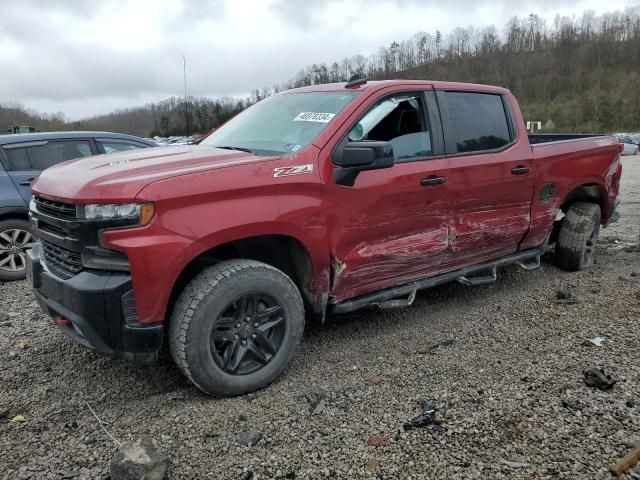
x: 42, y: 156
x: 476, y: 121
x: 16, y: 159
x: 52, y: 153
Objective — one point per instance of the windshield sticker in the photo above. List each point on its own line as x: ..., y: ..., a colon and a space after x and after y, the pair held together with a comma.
x: 314, y: 117
x: 292, y: 147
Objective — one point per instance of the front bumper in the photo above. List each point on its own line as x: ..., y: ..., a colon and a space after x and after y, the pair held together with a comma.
x: 95, y: 309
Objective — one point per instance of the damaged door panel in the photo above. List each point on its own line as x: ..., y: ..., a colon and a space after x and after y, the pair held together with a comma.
x: 391, y: 225
x: 389, y: 239
x: 491, y: 178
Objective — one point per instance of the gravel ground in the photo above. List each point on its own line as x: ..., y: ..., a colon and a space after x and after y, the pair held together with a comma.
x: 502, y: 363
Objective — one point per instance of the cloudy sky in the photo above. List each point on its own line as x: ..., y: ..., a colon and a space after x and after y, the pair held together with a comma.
x: 85, y: 57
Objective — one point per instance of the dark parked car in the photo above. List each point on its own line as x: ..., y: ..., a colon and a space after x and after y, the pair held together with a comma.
x: 22, y: 158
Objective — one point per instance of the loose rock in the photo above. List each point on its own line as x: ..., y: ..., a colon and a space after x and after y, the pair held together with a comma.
x: 317, y: 402
x: 138, y: 460
x: 376, y: 440
x: 565, y: 296
x: 595, y: 377
x: 249, y: 439
x: 371, y: 466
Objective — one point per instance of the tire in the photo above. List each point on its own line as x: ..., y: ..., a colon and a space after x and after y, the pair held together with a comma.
x: 578, y: 236
x: 16, y: 236
x: 205, y: 340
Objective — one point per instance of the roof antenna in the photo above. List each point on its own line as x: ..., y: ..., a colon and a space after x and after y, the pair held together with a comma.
x: 355, y: 81
x: 186, y: 104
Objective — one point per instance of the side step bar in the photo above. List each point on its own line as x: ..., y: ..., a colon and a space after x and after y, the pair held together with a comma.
x: 531, y: 264
x: 392, y: 297
x: 480, y: 279
x: 399, y: 302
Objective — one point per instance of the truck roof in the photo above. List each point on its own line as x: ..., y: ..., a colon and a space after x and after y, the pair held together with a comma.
x: 40, y: 136
x: 378, y: 84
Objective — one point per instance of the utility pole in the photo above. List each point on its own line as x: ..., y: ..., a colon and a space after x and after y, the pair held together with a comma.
x: 186, y: 105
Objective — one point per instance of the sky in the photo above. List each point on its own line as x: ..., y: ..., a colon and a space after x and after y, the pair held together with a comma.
x: 88, y: 57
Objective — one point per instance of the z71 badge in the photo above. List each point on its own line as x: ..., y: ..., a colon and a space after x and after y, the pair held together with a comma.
x: 295, y: 170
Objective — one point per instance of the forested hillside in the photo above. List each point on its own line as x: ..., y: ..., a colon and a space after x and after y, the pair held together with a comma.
x: 17, y: 114
x: 163, y: 118
x: 575, y: 74
x: 578, y: 74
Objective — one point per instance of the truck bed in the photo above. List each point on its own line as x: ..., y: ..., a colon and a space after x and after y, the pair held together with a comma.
x: 556, y: 159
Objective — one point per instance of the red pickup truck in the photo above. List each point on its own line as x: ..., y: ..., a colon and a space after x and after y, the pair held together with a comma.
x: 324, y: 198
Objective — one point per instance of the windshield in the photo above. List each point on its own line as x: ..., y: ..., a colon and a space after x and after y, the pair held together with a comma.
x: 280, y: 124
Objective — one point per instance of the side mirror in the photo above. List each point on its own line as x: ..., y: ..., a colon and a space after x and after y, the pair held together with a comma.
x: 356, y: 157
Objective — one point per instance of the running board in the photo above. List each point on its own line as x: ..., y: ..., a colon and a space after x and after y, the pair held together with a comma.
x: 399, y: 302
x: 392, y: 297
x: 480, y: 279
x: 531, y: 264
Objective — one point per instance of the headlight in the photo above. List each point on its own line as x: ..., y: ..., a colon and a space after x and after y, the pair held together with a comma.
x: 141, y: 212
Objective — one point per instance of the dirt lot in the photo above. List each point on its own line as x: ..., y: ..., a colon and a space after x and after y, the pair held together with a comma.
x: 502, y: 363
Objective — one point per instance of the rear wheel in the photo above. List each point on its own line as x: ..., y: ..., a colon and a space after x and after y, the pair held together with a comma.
x: 236, y: 326
x: 578, y: 236
x: 15, y: 238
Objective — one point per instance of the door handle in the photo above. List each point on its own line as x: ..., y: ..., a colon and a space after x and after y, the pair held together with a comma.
x: 432, y: 180
x: 27, y: 182
x: 520, y: 170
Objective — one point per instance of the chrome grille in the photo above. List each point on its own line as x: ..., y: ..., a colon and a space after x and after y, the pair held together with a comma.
x: 55, y: 209
x: 61, y: 261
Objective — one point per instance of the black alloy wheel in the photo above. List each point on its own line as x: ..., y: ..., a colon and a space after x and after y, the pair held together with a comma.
x: 248, y: 333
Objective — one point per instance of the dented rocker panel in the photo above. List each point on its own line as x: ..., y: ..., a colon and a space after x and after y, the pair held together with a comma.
x: 378, y: 298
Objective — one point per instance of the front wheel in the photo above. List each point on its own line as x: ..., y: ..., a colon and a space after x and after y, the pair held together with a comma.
x: 578, y: 236
x: 236, y: 326
x: 15, y: 238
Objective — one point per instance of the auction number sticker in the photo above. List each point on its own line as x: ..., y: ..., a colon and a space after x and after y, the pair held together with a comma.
x: 314, y: 117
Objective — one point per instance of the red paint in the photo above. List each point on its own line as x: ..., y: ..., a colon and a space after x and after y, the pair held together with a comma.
x: 385, y: 230
x: 65, y: 322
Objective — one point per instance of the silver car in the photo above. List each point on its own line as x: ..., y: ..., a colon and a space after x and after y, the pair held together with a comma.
x: 630, y: 148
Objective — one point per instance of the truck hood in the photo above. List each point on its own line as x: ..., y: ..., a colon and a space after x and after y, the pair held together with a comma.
x: 119, y: 177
